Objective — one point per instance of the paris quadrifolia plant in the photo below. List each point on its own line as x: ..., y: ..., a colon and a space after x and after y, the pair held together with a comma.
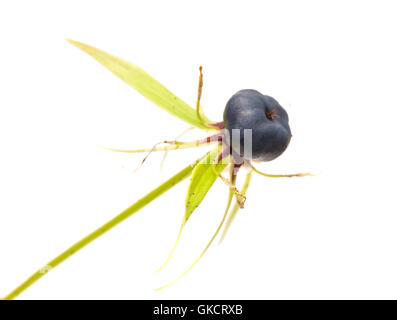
x: 255, y: 128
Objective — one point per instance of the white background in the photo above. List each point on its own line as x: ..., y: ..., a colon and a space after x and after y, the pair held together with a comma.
x: 332, y: 64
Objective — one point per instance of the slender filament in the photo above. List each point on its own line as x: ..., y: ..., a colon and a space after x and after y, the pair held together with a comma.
x: 239, y: 196
x: 166, y: 151
x: 279, y: 175
x: 236, y: 206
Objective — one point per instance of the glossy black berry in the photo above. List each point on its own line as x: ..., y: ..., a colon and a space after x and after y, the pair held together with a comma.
x: 249, y: 109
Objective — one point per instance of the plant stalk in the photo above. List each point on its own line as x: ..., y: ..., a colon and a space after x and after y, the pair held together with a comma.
x: 103, y: 229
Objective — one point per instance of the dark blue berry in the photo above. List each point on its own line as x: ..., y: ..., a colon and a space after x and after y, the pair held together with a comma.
x: 249, y: 109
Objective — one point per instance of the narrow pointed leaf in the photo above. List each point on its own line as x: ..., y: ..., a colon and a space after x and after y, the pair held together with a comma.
x: 202, y: 179
x: 144, y: 84
x: 229, y: 201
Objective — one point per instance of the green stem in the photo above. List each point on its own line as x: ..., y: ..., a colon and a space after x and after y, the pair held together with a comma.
x: 103, y: 229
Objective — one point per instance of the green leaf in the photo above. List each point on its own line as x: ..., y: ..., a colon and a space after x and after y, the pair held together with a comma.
x: 145, y: 85
x: 202, y: 179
